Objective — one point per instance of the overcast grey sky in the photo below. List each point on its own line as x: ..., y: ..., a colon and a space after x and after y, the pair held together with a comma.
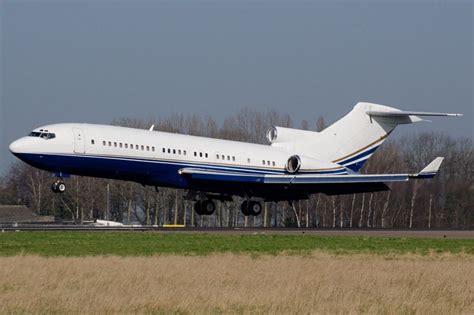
x: 93, y: 61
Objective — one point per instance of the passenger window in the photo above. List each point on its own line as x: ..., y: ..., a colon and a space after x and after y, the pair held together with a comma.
x: 174, y: 151
x: 179, y: 152
x: 110, y: 143
x: 92, y: 141
x: 228, y: 158
x: 195, y: 154
x: 153, y: 149
x: 273, y: 163
x: 263, y: 162
x: 217, y: 156
x: 200, y: 154
x: 143, y: 147
x: 164, y: 150
x: 248, y: 160
x: 126, y: 145
x: 169, y: 150
x: 115, y: 144
x: 268, y: 162
x: 120, y: 144
x: 184, y: 152
x: 148, y: 148
x: 233, y: 158
x: 137, y: 147
x: 104, y: 143
x: 131, y: 146
x: 223, y: 156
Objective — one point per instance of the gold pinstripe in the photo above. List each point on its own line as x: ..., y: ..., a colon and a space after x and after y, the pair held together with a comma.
x: 354, y: 153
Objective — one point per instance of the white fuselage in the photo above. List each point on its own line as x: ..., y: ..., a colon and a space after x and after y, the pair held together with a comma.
x: 221, y: 166
x: 120, y: 143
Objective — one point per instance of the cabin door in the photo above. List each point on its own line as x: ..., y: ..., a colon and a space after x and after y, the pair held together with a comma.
x: 79, y: 142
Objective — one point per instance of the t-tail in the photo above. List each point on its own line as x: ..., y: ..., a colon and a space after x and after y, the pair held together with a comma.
x: 351, y: 140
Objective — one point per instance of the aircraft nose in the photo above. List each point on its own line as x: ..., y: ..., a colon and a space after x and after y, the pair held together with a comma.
x: 18, y: 146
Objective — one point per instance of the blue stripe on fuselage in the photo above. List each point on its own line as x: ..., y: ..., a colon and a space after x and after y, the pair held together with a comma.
x: 243, y: 169
x: 358, y: 156
x: 152, y: 172
x: 357, y: 165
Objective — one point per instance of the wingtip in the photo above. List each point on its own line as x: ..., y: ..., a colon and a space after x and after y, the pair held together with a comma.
x: 431, y: 169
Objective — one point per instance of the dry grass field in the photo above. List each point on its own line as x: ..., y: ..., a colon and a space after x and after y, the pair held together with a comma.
x: 243, y: 284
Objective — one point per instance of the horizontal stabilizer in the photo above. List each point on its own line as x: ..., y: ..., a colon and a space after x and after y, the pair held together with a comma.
x: 407, y: 113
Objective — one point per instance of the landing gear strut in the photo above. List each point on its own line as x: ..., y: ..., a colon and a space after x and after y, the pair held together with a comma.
x: 205, y: 207
x: 249, y: 207
x: 58, y: 186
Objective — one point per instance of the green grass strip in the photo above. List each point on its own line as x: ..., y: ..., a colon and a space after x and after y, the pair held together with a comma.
x: 149, y: 243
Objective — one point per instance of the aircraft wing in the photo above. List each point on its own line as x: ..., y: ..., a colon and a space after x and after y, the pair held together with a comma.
x: 297, y: 179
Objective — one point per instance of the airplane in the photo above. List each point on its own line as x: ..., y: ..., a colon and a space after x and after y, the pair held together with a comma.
x: 296, y: 164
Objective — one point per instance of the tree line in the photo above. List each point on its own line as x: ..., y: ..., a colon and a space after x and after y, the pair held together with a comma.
x: 445, y: 201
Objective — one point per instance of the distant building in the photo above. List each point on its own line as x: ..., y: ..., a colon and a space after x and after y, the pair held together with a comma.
x: 21, y: 214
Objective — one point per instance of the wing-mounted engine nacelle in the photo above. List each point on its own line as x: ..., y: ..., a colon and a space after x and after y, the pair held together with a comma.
x: 289, y: 135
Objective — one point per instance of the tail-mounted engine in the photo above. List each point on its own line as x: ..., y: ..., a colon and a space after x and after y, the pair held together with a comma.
x: 289, y: 135
x: 303, y: 164
x: 293, y: 164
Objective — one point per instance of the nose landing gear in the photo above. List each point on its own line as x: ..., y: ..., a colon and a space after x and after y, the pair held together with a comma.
x: 58, y: 186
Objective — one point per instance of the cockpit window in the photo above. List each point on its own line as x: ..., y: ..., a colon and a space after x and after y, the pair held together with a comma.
x: 44, y: 135
x: 48, y: 135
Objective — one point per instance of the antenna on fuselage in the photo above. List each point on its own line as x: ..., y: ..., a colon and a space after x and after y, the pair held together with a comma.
x: 151, y: 128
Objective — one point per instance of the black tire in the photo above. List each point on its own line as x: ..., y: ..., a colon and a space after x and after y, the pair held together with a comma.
x: 244, y: 207
x: 198, y: 207
x: 61, y: 187
x: 208, y: 207
x: 54, y: 187
x: 255, y: 208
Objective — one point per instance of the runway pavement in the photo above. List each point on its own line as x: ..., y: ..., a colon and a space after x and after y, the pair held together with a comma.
x: 423, y: 233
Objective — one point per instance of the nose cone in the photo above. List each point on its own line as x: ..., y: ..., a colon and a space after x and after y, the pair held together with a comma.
x: 19, y: 146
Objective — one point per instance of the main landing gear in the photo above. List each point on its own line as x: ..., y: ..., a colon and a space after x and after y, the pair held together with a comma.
x: 58, y: 186
x: 208, y: 207
x: 250, y: 207
x: 204, y: 203
x: 205, y: 207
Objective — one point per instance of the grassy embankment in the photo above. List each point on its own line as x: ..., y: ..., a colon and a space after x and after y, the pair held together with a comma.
x: 154, y: 273
x: 148, y: 243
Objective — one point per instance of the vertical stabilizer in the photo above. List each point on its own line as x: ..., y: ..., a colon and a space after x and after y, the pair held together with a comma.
x: 353, y: 139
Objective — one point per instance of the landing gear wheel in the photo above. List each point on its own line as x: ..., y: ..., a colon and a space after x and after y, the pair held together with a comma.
x: 61, y: 187
x: 58, y: 187
x: 244, y: 207
x: 204, y: 207
x: 208, y: 207
x: 198, y: 208
x: 251, y: 208
x: 255, y: 208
